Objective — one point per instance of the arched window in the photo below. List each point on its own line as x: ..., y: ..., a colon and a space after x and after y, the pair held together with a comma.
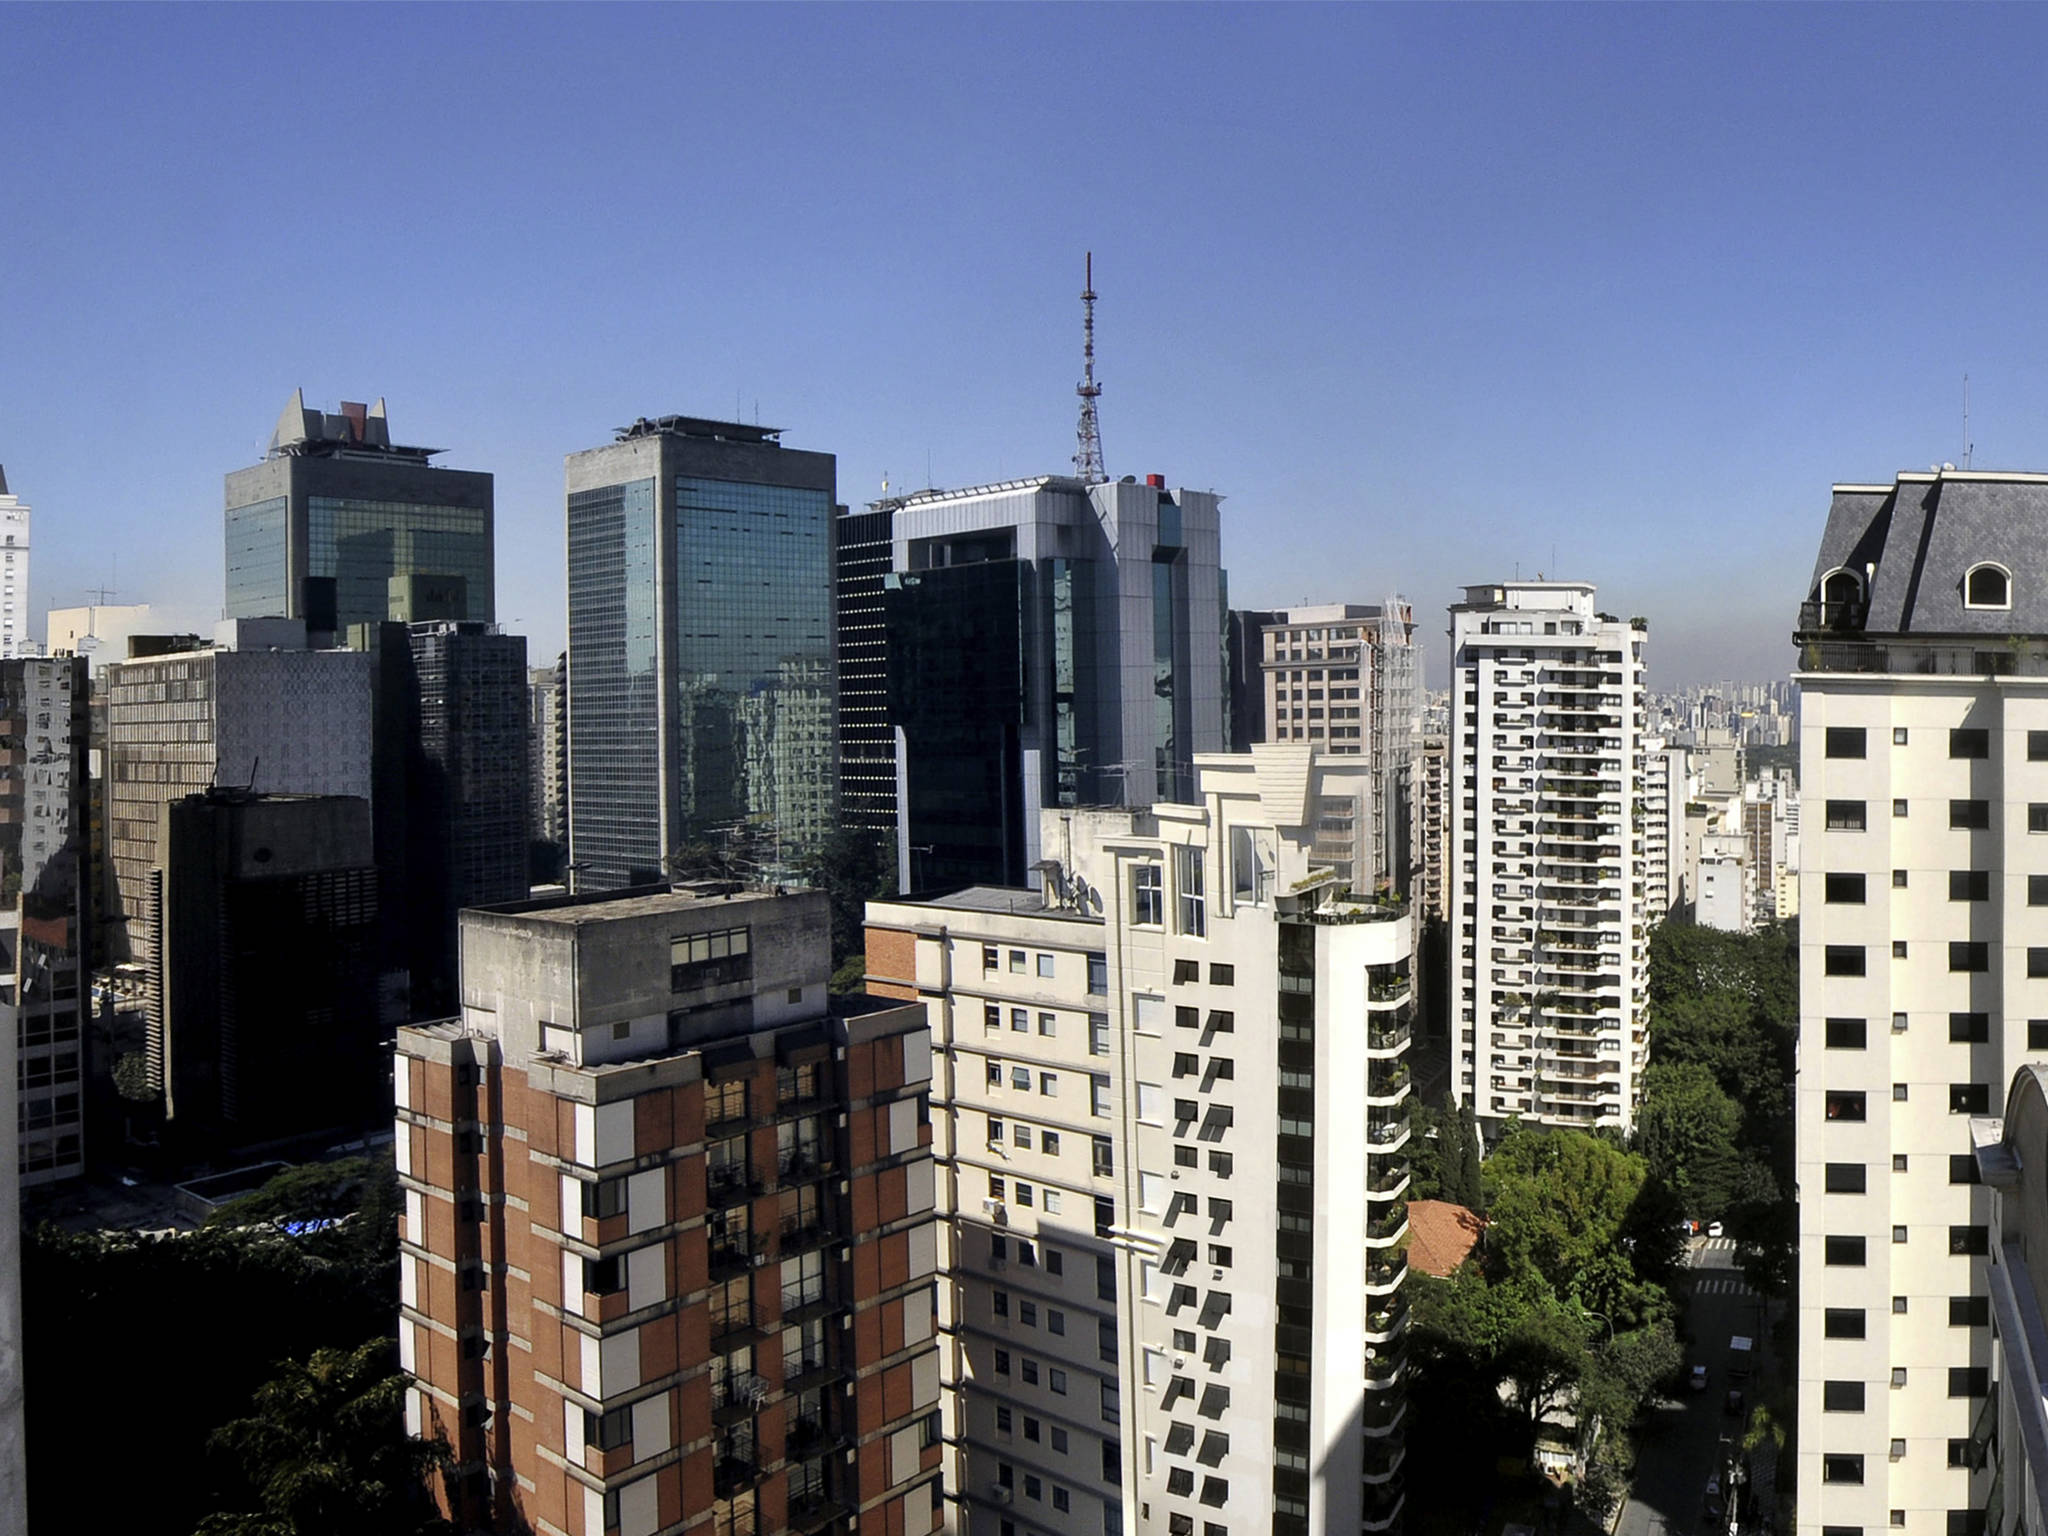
x: 1988, y: 585
x: 1841, y: 600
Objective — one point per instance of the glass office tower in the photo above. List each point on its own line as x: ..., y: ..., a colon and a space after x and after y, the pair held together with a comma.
x: 701, y: 688
x: 340, y: 526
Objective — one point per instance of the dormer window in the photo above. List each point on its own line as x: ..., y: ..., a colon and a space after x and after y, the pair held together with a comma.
x: 1987, y: 585
x: 1841, y: 587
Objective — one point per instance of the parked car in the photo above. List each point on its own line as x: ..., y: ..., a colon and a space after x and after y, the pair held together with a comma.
x: 1713, y: 1229
x: 1699, y: 1378
x: 1733, y: 1404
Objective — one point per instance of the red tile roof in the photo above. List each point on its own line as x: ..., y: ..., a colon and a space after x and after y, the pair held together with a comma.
x: 1441, y: 1235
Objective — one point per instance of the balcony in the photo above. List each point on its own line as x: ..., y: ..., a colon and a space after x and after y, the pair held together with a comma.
x: 1385, y: 1231
x: 1386, y: 1083
x: 808, y: 1299
x: 808, y: 1368
x: 736, y: 1254
x: 802, y: 1162
x: 1386, y: 1132
x: 1387, y: 991
x: 730, y: 1183
x: 1383, y: 1457
x: 814, y: 1510
x: 1383, y: 1513
x: 1384, y: 1415
x: 1387, y: 1323
x: 1385, y: 1038
x: 736, y: 1465
x: 1838, y: 616
x: 1383, y: 1365
x: 822, y: 1430
x: 1386, y: 1177
x: 737, y: 1398
x: 732, y: 1322
x: 807, y: 1230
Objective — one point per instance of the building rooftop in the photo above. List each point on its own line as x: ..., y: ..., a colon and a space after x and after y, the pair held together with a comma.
x: 1000, y: 899
x: 700, y: 426
x: 1441, y: 1236
x: 355, y: 429
x: 636, y: 901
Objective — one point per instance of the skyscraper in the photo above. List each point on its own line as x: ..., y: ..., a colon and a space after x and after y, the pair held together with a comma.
x: 1923, y: 975
x: 1177, y: 1244
x: 1544, y: 863
x: 867, y: 742
x: 1051, y: 642
x: 259, y: 710
x: 339, y: 526
x: 44, y: 827
x: 465, y: 729
x: 263, y: 977
x: 700, y: 650
x: 14, y: 528
x: 1341, y: 676
x: 668, y: 1256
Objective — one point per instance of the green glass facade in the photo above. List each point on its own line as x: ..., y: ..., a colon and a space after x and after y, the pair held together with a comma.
x: 362, y: 544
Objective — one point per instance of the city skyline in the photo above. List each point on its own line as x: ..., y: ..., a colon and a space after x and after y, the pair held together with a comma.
x: 1458, y: 324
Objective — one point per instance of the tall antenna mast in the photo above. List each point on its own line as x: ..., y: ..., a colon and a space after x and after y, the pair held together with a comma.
x: 1088, y: 457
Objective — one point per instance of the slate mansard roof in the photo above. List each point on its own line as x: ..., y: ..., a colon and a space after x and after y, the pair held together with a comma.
x: 1912, y: 542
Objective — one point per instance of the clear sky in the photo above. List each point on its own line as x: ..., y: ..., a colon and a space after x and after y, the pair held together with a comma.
x: 1429, y: 293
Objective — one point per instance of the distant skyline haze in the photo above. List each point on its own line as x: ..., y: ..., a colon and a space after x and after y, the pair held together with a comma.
x: 1423, y: 292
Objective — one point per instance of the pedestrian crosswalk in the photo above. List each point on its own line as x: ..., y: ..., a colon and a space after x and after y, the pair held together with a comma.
x: 1721, y: 1283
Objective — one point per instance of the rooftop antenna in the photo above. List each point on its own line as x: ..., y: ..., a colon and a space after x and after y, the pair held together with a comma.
x: 1968, y: 446
x: 1088, y: 456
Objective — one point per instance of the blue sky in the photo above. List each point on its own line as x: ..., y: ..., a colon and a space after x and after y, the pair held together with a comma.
x: 1429, y: 293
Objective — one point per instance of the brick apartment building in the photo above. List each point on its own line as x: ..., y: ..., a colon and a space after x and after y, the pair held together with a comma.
x: 669, y: 1251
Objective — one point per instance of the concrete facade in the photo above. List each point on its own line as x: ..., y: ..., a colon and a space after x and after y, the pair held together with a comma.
x: 1545, y: 862
x: 668, y: 1252
x: 15, y: 516
x: 1172, y: 1236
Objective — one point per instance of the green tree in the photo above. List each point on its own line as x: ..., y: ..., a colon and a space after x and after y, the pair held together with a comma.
x: 1687, y: 1130
x: 1471, y: 1185
x: 326, y: 1452
x: 852, y: 868
x: 1559, y: 1203
x: 1429, y: 1154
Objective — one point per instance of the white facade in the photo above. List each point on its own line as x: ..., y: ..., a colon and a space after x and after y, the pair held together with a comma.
x: 1206, y: 1184
x: 15, y: 639
x: 1663, y: 822
x: 1545, y: 865
x: 99, y: 631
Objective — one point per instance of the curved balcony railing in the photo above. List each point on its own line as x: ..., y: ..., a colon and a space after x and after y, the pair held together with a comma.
x: 1388, y: 1086
x: 1386, y: 1324
x: 1386, y: 1177
x: 1384, y: 1513
x: 1385, y: 1231
x: 1383, y: 1458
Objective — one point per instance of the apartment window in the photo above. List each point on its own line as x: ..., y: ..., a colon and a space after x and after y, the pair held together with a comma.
x: 1969, y: 1380
x: 1898, y: 1306
x: 1222, y: 975
x: 1898, y: 810
x: 991, y: 1018
x: 1020, y: 1020
x: 1004, y: 1421
x: 1845, y: 815
x: 1898, y: 1234
x: 1049, y: 1143
x: 1048, y: 1024
x: 1220, y: 1164
x: 1898, y: 735
x: 1846, y: 1178
x: 1046, y: 968
x: 1192, y: 912
x: 2037, y: 1034
x: 2037, y: 746
x: 1105, y: 1215
x: 1969, y: 741
x: 1056, y: 1379
x: 607, y: 1197
x: 1049, y: 1085
x: 1973, y: 955
x: 1898, y: 879
x: 608, y: 1431
x: 2037, y: 817
x: 1969, y: 1098
x: 1098, y: 1034
x: 1972, y: 1241
x: 995, y: 1074
x: 1098, y: 975
x: 1020, y: 1078
x: 1898, y: 949
x: 1959, y: 1453
x: 2037, y: 962
x: 1972, y: 814
x: 1969, y: 1311
x: 1841, y: 1397
x: 1105, y: 1277
x: 2037, y: 890
x: 1898, y: 1023
x: 1845, y: 1105
x: 1845, y: 741
x: 1841, y: 1469
x: 1899, y: 1093
x: 1098, y: 1097
x: 1019, y: 961
x: 1844, y: 960
x: 1148, y: 895
x: 1846, y: 1034
x: 1105, y: 1156
x: 1187, y: 1018
x: 1962, y: 1168
x: 1973, y: 1027
x: 1845, y: 1251
x: 1969, y: 885
x: 709, y: 959
x: 1899, y: 1162
x: 1845, y: 889
x: 1002, y: 1362
x: 1842, y: 1323
x: 991, y: 958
